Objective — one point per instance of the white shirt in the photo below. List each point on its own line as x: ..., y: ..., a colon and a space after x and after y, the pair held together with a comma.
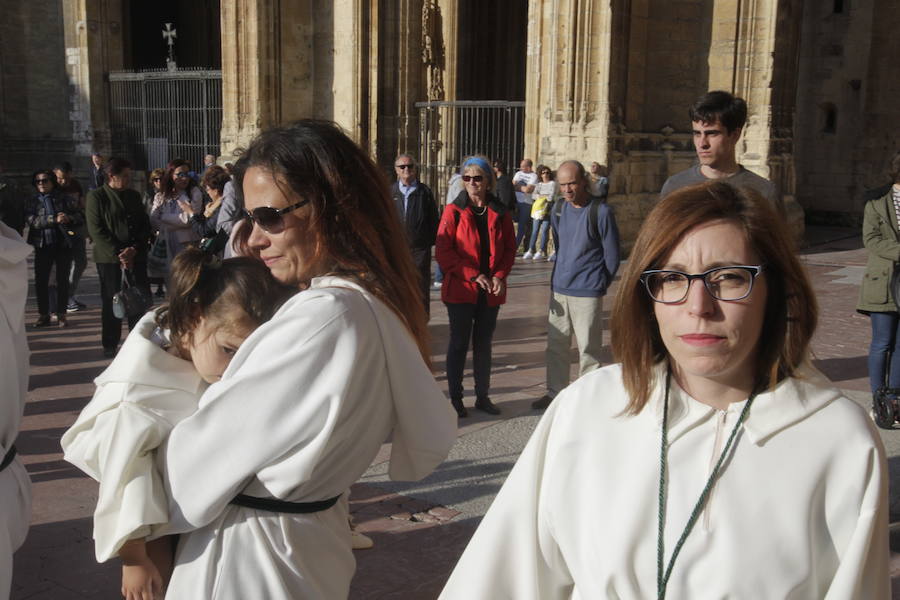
x: 15, y: 486
x: 299, y: 415
x: 527, y: 179
x: 798, y: 511
x: 143, y: 393
x: 406, y: 190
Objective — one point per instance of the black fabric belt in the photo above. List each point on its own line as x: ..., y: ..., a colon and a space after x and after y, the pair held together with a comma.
x: 283, y: 506
x: 10, y: 455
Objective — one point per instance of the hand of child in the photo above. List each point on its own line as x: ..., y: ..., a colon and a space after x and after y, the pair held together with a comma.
x: 141, y: 581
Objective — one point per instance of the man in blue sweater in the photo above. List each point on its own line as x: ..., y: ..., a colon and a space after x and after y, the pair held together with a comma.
x: 586, y: 263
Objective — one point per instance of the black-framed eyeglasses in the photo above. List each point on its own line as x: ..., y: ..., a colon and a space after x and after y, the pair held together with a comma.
x: 404, y: 167
x: 42, y: 180
x: 156, y: 179
x: 271, y: 219
x: 730, y: 283
x: 183, y: 174
x: 475, y: 178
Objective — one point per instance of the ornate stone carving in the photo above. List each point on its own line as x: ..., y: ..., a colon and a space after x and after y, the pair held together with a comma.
x: 433, y: 49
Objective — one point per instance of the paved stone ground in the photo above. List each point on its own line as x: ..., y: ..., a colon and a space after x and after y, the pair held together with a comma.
x: 419, y: 529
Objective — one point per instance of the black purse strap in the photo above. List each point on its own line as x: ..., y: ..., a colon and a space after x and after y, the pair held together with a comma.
x: 10, y: 455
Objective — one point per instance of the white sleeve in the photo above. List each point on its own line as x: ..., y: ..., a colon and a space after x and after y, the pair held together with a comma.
x: 117, y: 448
x: 863, y: 571
x: 513, y: 554
x: 280, y: 396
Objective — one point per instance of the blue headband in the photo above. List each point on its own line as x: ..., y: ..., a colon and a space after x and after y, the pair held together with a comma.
x: 480, y: 163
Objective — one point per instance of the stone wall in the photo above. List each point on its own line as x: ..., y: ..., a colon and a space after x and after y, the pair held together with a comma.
x: 34, y: 111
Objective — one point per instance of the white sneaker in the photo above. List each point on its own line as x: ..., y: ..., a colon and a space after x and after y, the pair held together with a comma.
x: 528, y: 255
x: 552, y: 257
x: 437, y: 284
x: 360, y: 541
x: 538, y: 255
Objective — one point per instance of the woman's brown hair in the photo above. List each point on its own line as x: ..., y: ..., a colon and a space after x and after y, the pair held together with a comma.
x: 238, y: 293
x: 351, y: 214
x: 791, y: 310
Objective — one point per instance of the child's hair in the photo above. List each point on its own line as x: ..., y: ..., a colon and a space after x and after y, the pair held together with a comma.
x: 237, y: 294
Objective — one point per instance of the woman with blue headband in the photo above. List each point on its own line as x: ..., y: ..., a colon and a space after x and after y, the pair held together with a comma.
x: 475, y: 247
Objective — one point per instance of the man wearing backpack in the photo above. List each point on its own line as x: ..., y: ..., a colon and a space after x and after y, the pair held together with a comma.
x: 585, y: 267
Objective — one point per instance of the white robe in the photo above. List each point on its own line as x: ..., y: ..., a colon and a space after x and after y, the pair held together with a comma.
x: 15, y: 486
x: 799, y: 510
x: 299, y: 415
x: 139, y: 398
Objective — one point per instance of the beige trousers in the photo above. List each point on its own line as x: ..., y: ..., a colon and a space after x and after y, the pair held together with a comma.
x: 572, y: 315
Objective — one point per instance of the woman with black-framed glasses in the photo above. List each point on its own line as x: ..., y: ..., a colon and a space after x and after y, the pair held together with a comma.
x: 258, y: 476
x: 712, y: 461
x: 51, y: 217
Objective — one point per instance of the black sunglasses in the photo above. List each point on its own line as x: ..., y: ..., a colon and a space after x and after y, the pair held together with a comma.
x: 405, y: 166
x: 271, y: 219
x: 156, y: 179
x: 42, y: 180
x: 475, y: 178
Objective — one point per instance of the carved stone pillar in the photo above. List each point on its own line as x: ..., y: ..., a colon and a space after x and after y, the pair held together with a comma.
x: 250, y: 71
x: 93, y: 38
x: 567, y: 87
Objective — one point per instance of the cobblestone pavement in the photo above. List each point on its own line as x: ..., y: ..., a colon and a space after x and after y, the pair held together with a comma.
x: 419, y: 529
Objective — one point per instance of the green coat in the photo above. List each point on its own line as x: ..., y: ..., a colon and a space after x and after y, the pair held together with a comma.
x: 116, y: 219
x: 879, y: 234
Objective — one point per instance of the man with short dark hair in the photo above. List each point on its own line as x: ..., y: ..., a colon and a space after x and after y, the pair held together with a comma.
x: 584, y: 269
x: 419, y: 214
x: 717, y: 120
x: 97, y: 177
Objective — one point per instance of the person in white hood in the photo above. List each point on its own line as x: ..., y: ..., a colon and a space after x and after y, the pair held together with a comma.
x: 15, y: 487
x: 255, y: 475
x: 712, y: 461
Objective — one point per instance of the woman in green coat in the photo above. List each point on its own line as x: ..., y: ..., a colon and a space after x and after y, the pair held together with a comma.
x: 882, y: 240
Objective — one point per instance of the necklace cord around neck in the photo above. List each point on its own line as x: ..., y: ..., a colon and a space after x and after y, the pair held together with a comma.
x: 662, y: 577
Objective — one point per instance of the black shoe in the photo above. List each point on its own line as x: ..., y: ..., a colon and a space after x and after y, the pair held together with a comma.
x: 461, y: 411
x: 42, y: 321
x: 109, y: 353
x: 543, y: 403
x: 74, y: 306
x: 485, y: 405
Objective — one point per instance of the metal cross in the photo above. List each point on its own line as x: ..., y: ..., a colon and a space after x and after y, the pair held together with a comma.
x: 169, y: 35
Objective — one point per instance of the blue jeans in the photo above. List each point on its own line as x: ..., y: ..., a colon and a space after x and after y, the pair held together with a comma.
x: 885, y: 342
x: 438, y: 274
x: 524, y: 221
x: 540, y: 226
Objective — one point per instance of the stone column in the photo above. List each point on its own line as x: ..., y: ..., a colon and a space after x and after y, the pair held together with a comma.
x: 251, y: 80
x: 93, y: 39
x: 567, y: 87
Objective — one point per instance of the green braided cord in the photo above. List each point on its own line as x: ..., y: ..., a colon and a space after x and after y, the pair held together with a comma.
x: 663, y: 450
x: 662, y: 581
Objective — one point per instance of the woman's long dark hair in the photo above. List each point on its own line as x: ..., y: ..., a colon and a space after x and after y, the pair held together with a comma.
x: 168, y: 183
x: 351, y: 214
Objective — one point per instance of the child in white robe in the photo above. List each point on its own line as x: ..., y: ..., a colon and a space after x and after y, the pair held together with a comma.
x: 155, y: 381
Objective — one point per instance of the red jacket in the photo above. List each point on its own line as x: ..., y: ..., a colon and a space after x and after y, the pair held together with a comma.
x: 458, y: 246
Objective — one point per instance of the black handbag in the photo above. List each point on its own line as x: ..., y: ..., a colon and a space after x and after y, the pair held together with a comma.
x: 132, y: 301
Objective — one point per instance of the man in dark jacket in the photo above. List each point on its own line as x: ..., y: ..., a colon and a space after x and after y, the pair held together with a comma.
x: 505, y: 190
x: 120, y: 230
x: 418, y: 212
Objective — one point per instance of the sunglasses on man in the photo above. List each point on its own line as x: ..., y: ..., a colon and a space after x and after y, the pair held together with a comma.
x: 271, y: 220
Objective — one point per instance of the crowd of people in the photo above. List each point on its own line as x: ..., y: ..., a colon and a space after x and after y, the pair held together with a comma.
x: 676, y: 469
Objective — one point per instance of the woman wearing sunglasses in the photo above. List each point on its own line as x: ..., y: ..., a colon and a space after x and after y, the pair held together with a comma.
x: 712, y: 462
x: 476, y: 247
x: 258, y: 475
x: 51, y: 217
x: 173, y: 206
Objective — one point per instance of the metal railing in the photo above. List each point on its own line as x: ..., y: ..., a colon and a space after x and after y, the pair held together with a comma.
x: 160, y: 115
x: 450, y: 131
